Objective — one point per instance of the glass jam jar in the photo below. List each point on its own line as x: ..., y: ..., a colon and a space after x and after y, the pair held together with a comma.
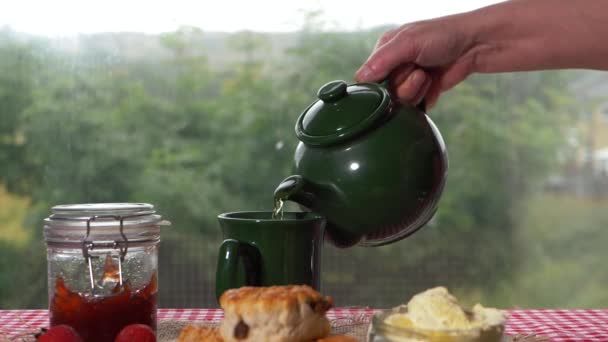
x: 102, y: 267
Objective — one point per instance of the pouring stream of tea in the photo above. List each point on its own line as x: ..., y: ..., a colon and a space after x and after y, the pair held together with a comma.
x: 277, y: 211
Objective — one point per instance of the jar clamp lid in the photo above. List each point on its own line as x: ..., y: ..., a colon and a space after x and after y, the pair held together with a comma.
x: 103, y: 226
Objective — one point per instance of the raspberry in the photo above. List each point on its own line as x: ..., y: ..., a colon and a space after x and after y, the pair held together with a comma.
x: 60, y: 333
x: 136, y: 333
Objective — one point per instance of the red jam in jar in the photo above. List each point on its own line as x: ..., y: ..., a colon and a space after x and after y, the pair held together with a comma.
x: 100, y: 319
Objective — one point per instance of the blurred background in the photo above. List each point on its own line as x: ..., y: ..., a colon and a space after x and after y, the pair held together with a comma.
x: 191, y: 105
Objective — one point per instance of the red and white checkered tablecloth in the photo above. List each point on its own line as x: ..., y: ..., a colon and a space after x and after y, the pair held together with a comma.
x: 558, y: 325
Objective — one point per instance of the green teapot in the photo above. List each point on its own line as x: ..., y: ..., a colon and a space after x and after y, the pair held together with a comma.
x: 375, y: 168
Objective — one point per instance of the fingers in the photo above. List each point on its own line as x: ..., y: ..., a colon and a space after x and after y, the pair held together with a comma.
x: 447, y: 79
x: 400, y: 75
x: 432, y: 95
x: 423, y: 92
x: 386, y: 37
x: 409, y: 83
x: 413, y: 88
x: 418, y: 84
x: 399, y: 49
x: 437, y: 54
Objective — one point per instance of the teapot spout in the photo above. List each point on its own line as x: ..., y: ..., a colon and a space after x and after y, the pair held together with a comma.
x: 313, y: 197
x: 295, y: 188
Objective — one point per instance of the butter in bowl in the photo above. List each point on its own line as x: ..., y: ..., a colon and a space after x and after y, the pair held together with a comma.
x: 436, y: 316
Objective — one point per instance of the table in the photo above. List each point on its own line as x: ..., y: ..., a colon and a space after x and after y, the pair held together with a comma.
x: 559, y: 325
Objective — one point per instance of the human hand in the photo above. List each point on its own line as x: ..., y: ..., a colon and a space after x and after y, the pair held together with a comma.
x: 422, y: 59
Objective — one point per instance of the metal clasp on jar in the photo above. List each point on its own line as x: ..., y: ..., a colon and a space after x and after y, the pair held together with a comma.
x: 89, y: 245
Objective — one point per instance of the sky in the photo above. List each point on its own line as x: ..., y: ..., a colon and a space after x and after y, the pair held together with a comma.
x: 69, y: 17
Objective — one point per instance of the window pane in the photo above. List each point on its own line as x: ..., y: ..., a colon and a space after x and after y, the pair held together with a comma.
x: 192, y: 109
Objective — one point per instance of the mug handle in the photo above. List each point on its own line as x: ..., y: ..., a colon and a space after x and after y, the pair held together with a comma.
x: 230, y: 253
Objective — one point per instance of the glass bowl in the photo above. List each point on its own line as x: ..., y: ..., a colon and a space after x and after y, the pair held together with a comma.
x: 381, y: 331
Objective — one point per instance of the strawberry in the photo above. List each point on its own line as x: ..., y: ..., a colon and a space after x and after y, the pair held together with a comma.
x: 60, y: 333
x: 136, y: 333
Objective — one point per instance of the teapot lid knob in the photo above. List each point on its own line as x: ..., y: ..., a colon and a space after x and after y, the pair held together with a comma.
x: 332, y: 91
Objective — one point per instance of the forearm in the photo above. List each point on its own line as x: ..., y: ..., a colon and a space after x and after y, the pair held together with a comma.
x: 523, y: 35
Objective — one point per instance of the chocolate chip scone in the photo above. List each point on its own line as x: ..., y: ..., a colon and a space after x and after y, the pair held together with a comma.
x: 274, y: 314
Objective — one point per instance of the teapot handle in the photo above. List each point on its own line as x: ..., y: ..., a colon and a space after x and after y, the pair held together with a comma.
x: 421, y: 105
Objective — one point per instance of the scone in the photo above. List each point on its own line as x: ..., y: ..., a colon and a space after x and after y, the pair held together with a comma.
x: 294, y: 313
x: 338, y: 338
x: 193, y: 333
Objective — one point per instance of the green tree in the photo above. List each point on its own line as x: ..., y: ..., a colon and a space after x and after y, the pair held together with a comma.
x: 197, y: 140
x: 17, y: 68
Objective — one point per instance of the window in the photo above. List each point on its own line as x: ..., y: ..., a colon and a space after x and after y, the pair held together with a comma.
x: 190, y: 106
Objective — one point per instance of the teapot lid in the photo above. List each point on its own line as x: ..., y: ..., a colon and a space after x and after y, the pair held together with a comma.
x: 341, y: 112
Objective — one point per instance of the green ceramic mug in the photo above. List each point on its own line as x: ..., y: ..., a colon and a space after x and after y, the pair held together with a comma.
x: 260, y: 251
